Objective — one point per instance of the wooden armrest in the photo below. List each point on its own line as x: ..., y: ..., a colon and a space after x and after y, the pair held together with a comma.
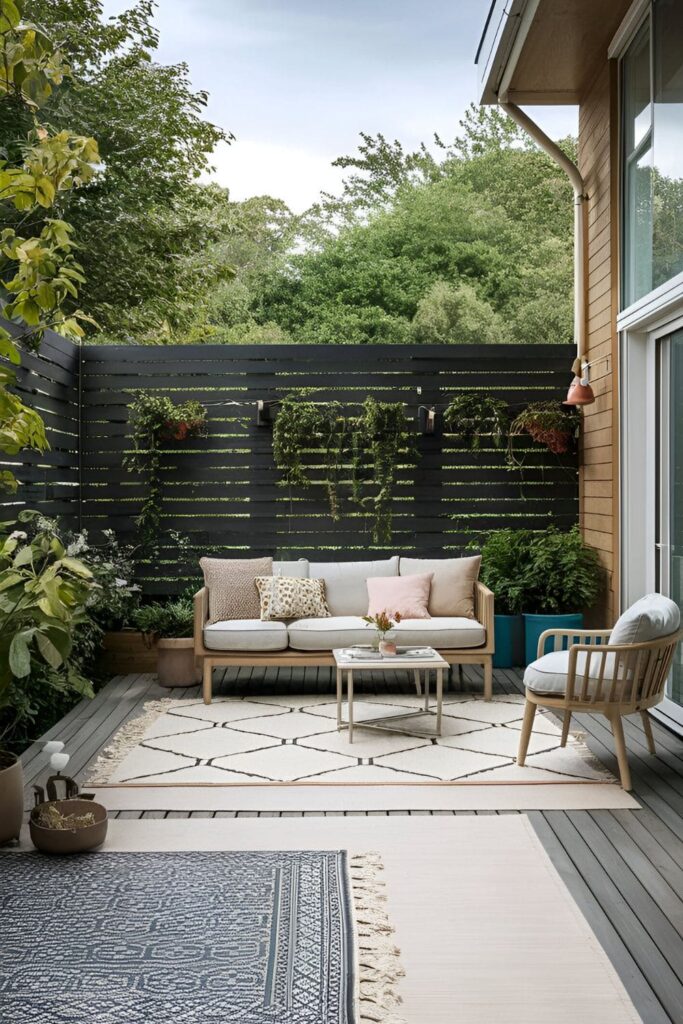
x: 201, y: 614
x: 562, y: 634
x: 484, y: 608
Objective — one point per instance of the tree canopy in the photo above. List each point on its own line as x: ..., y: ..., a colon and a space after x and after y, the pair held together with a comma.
x: 452, y: 242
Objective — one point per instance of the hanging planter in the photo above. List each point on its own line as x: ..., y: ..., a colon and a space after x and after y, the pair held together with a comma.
x: 477, y: 419
x: 546, y: 424
x: 158, y: 420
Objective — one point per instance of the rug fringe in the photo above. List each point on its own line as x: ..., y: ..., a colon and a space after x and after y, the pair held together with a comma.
x: 128, y: 737
x: 379, y: 966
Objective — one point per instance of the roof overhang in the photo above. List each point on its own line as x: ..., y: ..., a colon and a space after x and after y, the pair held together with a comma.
x: 545, y: 51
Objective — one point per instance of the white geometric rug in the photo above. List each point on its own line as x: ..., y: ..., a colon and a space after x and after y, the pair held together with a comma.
x: 294, y: 741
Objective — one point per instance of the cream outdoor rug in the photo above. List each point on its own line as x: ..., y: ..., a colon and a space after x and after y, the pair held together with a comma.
x: 247, y: 743
x: 487, y: 930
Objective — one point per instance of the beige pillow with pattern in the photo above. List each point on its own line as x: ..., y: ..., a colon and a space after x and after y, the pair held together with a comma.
x: 232, y: 588
x: 289, y: 597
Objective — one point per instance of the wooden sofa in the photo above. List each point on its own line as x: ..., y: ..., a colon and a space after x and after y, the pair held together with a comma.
x: 210, y: 658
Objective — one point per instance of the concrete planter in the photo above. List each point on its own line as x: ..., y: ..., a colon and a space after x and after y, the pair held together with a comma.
x: 11, y: 797
x: 176, y: 665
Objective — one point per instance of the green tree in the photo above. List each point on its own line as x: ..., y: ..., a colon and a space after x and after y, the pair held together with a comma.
x: 139, y: 217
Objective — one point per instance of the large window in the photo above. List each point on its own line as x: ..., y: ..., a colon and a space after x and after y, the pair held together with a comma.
x: 652, y: 134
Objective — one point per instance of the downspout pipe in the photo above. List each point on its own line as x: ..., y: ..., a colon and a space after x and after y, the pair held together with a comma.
x: 580, y: 366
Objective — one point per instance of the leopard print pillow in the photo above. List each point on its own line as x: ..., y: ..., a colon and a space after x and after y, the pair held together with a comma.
x: 288, y: 597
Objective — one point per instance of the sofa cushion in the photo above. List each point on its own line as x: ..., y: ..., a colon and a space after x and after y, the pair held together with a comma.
x: 345, y: 586
x: 245, y: 635
x: 232, y: 587
x: 407, y: 596
x: 452, y: 591
x: 298, y: 568
x: 291, y: 597
x: 347, y: 630
x: 447, y: 632
x: 650, y: 618
x: 549, y: 673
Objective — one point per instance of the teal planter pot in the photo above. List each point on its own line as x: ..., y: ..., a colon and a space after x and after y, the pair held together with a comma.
x: 509, y: 640
x: 534, y: 625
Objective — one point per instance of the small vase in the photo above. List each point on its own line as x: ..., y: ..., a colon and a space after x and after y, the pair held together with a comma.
x: 387, y: 647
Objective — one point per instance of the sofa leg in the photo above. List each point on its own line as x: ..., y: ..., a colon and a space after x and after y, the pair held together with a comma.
x: 488, y: 679
x: 207, y: 679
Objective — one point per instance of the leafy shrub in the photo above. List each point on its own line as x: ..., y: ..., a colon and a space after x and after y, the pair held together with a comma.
x: 563, y: 575
x: 504, y: 564
x: 163, y: 620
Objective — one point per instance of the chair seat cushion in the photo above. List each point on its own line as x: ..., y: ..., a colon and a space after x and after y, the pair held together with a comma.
x: 346, y: 630
x: 549, y: 674
x: 245, y: 635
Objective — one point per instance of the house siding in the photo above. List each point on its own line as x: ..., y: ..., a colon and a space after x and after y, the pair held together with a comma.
x: 599, y: 468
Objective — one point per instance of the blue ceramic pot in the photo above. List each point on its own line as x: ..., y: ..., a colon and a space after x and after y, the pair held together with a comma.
x: 509, y: 639
x: 534, y: 625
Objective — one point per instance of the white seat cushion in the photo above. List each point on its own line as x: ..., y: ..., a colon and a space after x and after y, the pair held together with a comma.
x: 326, y: 634
x: 245, y: 635
x: 345, y: 587
x: 346, y: 630
x: 447, y: 632
x: 549, y: 673
x: 650, y: 618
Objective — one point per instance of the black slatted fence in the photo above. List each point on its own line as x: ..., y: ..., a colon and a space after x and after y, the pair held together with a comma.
x: 49, y: 382
x: 222, y: 491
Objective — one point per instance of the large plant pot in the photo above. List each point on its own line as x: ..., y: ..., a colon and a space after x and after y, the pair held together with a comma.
x: 509, y: 641
x: 534, y: 625
x: 176, y: 665
x: 64, y: 840
x: 11, y: 797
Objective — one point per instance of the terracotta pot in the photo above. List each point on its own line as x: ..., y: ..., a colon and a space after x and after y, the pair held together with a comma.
x: 176, y: 665
x: 58, y: 840
x: 11, y: 797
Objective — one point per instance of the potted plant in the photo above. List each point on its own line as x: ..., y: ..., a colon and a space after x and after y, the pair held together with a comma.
x: 477, y: 418
x: 504, y: 558
x: 383, y: 626
x: 43, y: 598
x: 170, y: 626
x: 548, y: 424
x: 561, y: 580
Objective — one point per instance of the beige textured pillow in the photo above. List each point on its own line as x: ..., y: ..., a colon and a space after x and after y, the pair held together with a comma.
x: 452, y: 591
x: 231, y: 586
x: 289, y: 597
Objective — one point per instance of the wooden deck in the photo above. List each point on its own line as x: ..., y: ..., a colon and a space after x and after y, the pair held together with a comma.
x: 624, y: 868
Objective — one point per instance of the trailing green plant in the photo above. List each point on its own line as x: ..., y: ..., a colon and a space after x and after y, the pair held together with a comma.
x: 476, y: 418
x: 161, y: 620
x: 562, y: 574
x: 546, y: 423
x: 44, y: 595
x: 381, y: 444
x: 371, y: 446
x: 505, y: 556
x: 157, y: 420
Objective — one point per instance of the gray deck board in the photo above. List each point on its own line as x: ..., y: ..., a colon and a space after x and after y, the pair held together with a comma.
x: 623, y: 868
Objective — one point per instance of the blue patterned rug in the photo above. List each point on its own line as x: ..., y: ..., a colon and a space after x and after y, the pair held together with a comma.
x: 176, y: 938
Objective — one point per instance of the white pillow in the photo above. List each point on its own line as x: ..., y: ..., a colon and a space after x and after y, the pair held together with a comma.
x: 345, y: 582
x: 650, y: 618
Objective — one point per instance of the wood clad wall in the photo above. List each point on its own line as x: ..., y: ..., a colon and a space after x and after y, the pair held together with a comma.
x: 599, y: 477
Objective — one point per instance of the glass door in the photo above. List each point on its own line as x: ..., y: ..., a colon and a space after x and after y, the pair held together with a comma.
x: 670, y: 543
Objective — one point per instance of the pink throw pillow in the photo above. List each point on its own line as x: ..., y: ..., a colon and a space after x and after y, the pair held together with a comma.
x: 407, y: 595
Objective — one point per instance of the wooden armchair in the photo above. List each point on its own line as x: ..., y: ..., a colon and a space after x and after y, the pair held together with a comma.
x: 609, y: 679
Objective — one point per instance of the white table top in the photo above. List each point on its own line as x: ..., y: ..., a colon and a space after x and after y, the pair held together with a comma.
x: 431, y: 660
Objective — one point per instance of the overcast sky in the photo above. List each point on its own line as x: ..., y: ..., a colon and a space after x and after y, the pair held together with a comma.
x: 296, y: 80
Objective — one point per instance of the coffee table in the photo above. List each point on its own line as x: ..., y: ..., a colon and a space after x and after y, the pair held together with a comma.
x: 425, y: 662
